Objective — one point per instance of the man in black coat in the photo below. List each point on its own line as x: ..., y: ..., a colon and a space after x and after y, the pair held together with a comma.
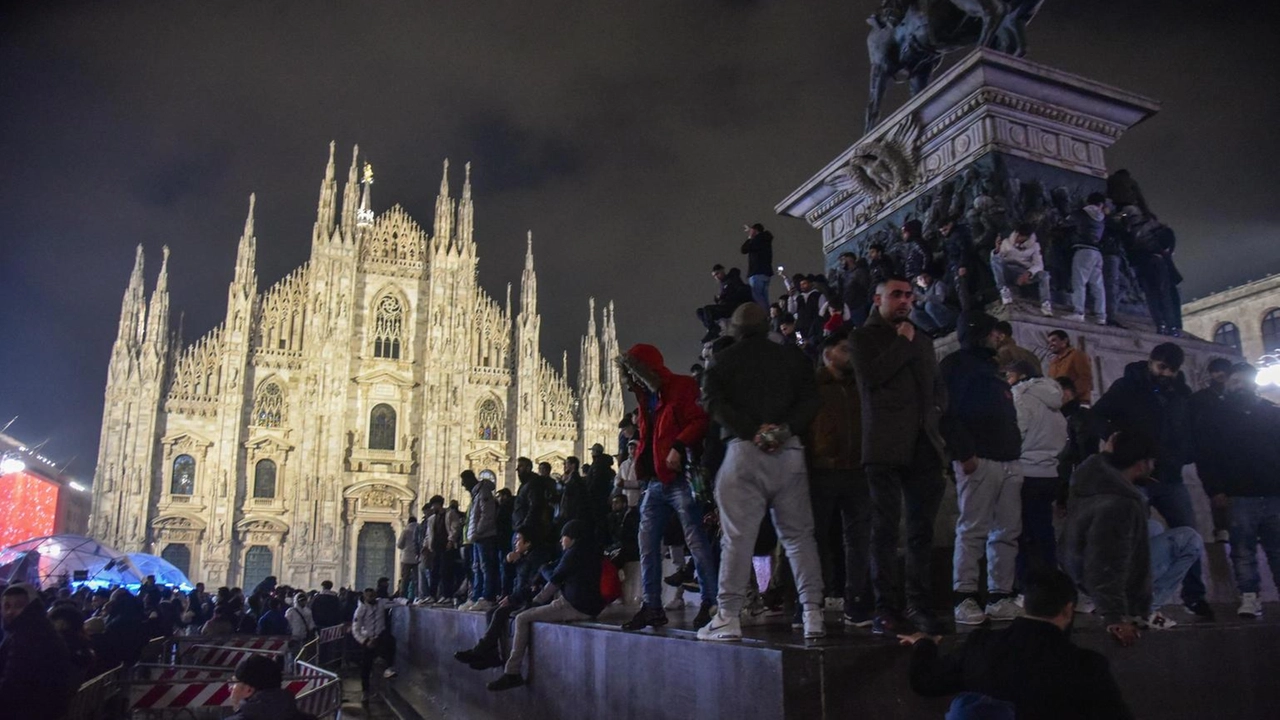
x: 957, y: 247
x: 902, y: 451
x: 758, y: 248
x: 1239, y: 462
x: 572, y: 593
x: 35, y: 667
x: 533, y: 501
x: 1031, y: 665
x: 981, y: 430
x: 1153, y: 398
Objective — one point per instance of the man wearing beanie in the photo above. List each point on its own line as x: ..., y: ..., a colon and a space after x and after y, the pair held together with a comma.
x: 764, y: 396
x: 572, y: 593
x: 257, y: 695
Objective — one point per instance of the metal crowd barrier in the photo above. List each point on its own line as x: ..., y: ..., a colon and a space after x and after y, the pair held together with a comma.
x: 93, y: 701
x: 331, y: 645
x: 179, y: 645
x: 169, y: 691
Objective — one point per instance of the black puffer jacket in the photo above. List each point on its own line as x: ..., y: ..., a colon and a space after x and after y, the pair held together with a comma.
x: 981, y: 419
x: 759, y: 252
x: 35, y: 669
x: 1163, y: 412
x: 1238, y: 443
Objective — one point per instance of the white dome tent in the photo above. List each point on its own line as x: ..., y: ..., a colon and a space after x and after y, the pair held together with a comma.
x: 50, y: 559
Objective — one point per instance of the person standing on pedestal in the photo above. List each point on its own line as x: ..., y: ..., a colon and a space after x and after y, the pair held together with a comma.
x: 759, y: 251
x: 1088, y: 225
x: 763, y: 396
x: 957, y: 246
x: 1017, y: 261
x: 902, y: 399
x: 482, y: 531
x: 981, y: 429
x: 1153, y: 398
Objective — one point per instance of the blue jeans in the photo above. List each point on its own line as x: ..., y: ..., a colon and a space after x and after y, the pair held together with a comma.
x: 760, y: 289
x: 1007, y: 274
x: 1173, y: 502
x: 1254, y: 520
x: 1172, y: 552
x: 933, y: 316
x: 484, y: 569
x: 655, y: 509
x: 1086, y: 275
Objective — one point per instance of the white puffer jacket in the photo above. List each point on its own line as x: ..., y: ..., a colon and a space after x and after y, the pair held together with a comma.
x: 1044, y: 429
x: 1028, y: 257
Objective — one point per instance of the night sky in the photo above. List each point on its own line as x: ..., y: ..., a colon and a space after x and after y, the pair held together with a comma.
x: 634, y: 139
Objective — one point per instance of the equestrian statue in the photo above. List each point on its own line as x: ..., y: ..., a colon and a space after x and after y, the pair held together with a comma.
x: 909, y: 37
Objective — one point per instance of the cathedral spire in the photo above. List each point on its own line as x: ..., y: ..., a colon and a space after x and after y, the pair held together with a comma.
x: 444, y: 213
x: 158, y: 310
x: 466, y: 216
x: 364, y: 216
x: 328, y: 199
x: 529, y: 282
x: 132, y: 309
x: 351, y: 195
x: 246, y: 255
x: 507, y: 308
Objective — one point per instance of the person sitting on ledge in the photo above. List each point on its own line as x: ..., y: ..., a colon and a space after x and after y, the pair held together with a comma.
x: 572, y: 593
x: 1017, y: 260
x: 527, y: 560
x: 1032, y: 665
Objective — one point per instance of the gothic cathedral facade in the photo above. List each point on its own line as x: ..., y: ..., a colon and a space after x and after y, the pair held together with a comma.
x: 297, y: 437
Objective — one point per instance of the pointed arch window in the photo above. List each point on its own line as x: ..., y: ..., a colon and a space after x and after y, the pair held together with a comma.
x: 264, y: 479
x: 388, y: 328
x: 183, y: 481
x: 489, y: 420
x: 382, y: 428
x: 268, y: 406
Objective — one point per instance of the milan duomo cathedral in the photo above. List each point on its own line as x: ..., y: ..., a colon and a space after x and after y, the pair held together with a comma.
x: 297, y: 437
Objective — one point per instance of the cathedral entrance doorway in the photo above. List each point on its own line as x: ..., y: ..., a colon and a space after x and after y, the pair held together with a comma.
x: 375, y: 554
x: 257, y: 566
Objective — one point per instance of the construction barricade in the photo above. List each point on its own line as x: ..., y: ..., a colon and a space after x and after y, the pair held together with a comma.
x: 98, y: 698
x: 204, y: 693
x: 331, y: 645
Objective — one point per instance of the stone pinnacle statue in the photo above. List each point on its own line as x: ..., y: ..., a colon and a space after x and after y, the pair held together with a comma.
x: 909, y: 37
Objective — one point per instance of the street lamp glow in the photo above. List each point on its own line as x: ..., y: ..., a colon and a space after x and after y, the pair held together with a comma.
x: 11, y: 465
x: 76, y: 486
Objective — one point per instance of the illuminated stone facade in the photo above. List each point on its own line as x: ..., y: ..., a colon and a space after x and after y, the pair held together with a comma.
x: 296, y: 437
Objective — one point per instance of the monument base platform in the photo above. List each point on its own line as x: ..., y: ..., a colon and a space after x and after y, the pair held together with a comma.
x: 593, y: 669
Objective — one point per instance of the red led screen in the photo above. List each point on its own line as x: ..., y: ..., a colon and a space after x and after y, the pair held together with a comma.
x: 28, y: 507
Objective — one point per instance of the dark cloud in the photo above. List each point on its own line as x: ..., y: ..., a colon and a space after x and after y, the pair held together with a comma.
x: 634, y: 139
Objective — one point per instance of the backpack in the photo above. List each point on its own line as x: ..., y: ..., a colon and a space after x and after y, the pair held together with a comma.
x: 610, y: 583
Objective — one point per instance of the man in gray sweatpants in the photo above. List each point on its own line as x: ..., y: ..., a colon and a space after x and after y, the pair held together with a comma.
x: 764, y: 396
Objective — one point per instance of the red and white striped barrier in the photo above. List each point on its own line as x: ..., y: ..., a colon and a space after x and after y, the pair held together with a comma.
x: 227, y: 655
x: 176, y: 695
x: 333, y: 633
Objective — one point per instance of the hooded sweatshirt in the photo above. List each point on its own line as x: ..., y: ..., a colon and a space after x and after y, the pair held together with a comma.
x: 1043, y: 427
x: 980, y: 420
x: 670, y: 417
x: 1160, y: 409
x: 1105, y: 545
x: 482, y: 516
x: 1028, y: 257
x: 1090, y: 222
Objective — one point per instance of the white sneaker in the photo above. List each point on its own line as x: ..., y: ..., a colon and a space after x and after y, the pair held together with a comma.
x: 481, y: 605
x: 389, y: 673
x: 675, y: 603
x: 1157, y: 621
x: 1221, y: 536
x: 1084, y: 604
x: 1006, y: 296
x: 1100, y: 320
x: 814, y: 626
x: 1005, y: 609
x: 1250, y: 606
x: 722, y: 628
x: 1077, y: 317
x: 968, y: 613
x: 1046, y: 309
x: 466, y: 606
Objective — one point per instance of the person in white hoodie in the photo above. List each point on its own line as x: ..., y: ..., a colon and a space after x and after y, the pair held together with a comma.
x: 1038, y: 401
x: 1017, y: 260
x: 301, y: 623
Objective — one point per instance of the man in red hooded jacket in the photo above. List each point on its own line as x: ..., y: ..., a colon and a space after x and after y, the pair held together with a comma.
x: 670, y: 422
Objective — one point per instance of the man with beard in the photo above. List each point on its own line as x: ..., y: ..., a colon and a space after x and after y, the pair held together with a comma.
x: 35, y: 668
x: 1032, y: 666
x: 1153, y: 398
x: 1239, y: 465
x: 902, y: 399
x: 670, y: 423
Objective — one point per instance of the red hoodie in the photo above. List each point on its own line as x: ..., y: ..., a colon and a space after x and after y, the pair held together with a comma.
x: 677, y: 421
